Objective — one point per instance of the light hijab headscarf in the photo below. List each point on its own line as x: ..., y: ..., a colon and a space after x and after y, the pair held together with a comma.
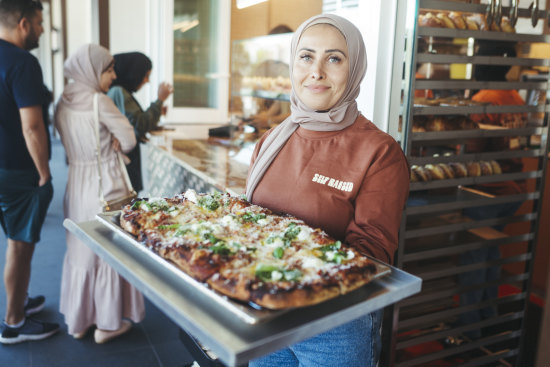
x: 84, y: 68
x: 341, y: 115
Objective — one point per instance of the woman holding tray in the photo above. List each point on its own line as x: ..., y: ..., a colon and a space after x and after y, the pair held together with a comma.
x: 330, y: 166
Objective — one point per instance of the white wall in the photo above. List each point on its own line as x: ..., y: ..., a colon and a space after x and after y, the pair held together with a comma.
x: 130, y: 30
x: 367, y: 19
x: 79, y: 24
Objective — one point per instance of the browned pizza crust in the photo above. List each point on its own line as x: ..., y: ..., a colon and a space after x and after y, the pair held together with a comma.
x: 245, y: 251
x: 296, y: 297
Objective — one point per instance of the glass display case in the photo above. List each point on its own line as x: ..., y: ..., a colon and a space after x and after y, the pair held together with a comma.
x: 260, y: 82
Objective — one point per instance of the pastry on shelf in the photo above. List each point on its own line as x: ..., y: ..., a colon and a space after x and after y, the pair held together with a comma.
x: 447, y: 22
x: 430, y: 20
x: 449, y: 173
x: 496, y: 167
x: 486, y: 168
x: 443, y: 171
x: 421, y: 173
x: 436, y: 171
x: 459, y: 169
x: 458, y: 20
x: 474, y: 169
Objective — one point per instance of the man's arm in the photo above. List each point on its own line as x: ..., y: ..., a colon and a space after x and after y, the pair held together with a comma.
x: 36, y: 139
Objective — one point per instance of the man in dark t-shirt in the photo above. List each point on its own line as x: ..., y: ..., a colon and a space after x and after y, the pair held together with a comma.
x: 25, y: 182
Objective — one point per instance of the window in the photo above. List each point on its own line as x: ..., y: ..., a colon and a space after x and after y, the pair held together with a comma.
x: 197, y: 60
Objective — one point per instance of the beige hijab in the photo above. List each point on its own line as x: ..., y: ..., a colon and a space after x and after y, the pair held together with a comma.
x: 84, y: 68
x: 343, y: 114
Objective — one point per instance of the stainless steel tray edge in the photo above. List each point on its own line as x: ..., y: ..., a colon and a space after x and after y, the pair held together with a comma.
x: 236, y: 342
x: 246, y: 314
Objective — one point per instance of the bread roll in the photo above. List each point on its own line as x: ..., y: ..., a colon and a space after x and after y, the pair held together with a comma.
x: 414, y: 176
x: 458, y: 20
x: 471, y: 24
x: 496, y: 167
x: 422, y: 173
x: 447, y: 170
x: 480, y: 21
x: 436, y: 124
x: 459, y: 169
x: 495, y: 27
x: 447, y: 22
x: 436, y: 171
x: 486, y: 168
x: 474, y: 169
x: 430, y: 20
x: 506, y: 26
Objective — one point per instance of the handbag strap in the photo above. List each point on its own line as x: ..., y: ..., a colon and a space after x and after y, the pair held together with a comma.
x: 98, y: 154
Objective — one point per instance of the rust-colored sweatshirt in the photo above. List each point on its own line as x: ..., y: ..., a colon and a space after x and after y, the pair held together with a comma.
x: 351, y: 183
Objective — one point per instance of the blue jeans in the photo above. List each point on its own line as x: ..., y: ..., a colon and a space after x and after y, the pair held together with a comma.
x: 355, y: 344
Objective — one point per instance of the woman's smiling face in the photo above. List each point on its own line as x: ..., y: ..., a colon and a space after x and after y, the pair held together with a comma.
x: 320, y: 67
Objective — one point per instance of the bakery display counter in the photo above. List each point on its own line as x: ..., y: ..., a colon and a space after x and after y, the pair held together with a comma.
x: 204, y: 165
x: 233, y: 340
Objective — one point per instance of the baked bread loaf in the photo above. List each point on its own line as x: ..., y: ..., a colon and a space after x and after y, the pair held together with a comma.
x: 496, y: 167
x: 486, y: 168
x: 459, y: 169
x: 430, y: 20
x: 414, y: 176
x: 447, y: 170
x: 506, y: 26
x: 471, y: 24
x: 421, y: 173
x: 457, y: 19
x: 447, y: 22
x: 474, y: 169
x: 436, y: 171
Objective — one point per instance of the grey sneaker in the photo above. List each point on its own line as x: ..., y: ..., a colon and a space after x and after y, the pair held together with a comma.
x: 31, y: 330
x: 34, y: 305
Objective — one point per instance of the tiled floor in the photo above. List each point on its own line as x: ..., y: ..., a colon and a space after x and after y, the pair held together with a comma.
x: 153, y: 343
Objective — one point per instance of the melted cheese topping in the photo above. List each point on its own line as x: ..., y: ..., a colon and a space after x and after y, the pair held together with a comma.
x: 286, y: 246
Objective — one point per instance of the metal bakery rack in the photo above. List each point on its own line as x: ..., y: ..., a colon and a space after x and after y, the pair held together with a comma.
x: 438, y: 241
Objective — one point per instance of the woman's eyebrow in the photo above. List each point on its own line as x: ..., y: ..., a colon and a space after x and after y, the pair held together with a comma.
x: 335, y: 50
x: 306, y: 49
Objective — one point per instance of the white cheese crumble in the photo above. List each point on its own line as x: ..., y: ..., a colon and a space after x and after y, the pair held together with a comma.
x: 276, y: 275
x: 191, y: 195
x: 263, y: 222
x: 350, y: 255
x: 304, y: 234
x: 231, y: 222
x: 312, y: 263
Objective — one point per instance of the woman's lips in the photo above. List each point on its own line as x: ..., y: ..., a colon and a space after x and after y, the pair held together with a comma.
x: 317, y: 88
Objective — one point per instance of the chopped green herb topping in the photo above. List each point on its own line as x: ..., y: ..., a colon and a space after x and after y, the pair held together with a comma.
x: 291, y: 233
x: 221, y: 249
x: 153, y: 206
x: 210, y: 202
x: 210, y: 238
x: 278, y: 253
x: 169, y: 226
x: 332, y: 253
x: 265, y: 273
x: 251, y: 217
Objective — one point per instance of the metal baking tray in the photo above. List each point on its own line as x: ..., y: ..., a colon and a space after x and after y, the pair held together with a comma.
x: 249, y: 313
x: 234, y: 341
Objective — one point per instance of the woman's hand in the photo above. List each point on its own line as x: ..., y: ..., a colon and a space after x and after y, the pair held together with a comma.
x: 165, y: 89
